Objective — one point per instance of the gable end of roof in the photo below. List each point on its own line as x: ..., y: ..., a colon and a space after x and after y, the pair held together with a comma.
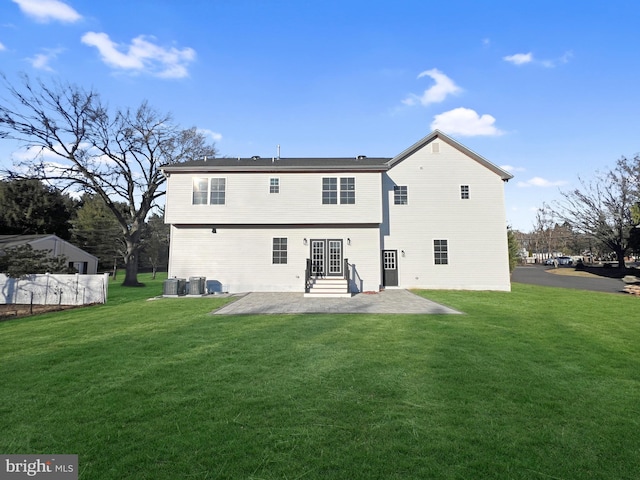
x: 437, y: 134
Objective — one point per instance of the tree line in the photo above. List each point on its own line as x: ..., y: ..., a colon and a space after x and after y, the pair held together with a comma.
x: 29, y: 206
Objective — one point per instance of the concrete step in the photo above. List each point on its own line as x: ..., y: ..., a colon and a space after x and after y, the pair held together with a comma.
x: 328, y: 288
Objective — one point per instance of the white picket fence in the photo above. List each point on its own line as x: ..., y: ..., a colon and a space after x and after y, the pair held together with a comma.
x: 54, y: 289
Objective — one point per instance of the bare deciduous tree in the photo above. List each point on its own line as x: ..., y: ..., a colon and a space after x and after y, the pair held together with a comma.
x: 77, y: 143
x: 602, y: 207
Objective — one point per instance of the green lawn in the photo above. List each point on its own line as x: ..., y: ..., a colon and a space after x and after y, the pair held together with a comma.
x: 538, y: 383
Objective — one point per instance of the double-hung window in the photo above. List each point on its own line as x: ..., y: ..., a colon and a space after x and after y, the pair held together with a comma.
x: 440, y: 252
x: 200, y: 191
x: 348, y: 190
x: 279, y: 254
x: 274, y: 185
x: 218, y: 190
x: 464, y: 192
x: 330, y: 190
x: 209, y: 191
x: 400, y: 195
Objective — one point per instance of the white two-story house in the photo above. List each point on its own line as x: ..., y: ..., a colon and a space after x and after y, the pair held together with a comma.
x: 431, y: 217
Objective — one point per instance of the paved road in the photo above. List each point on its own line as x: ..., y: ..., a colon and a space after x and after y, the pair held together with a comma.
x: 538, y: 275
x: 388, y: 301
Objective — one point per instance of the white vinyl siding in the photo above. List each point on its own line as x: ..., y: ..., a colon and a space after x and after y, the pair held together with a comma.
x: 475, y: 230
x: 249, y: 201
x: 241, y: 259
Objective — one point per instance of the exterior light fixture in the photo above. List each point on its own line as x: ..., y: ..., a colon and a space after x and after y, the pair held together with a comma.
x: 402, y: 251
x: 348, y: 241
x: 213, y: 230
x: 304, y: 241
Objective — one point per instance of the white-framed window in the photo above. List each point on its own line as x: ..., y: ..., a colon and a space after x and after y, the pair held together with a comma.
x: 441, y: 252
x: 400, y: 195
x: 464, y: 192
x: 348, y: 190
x: 279, y: 252
x: 330, y: 190
x: 200, y: 191
x: 210, y: 191
x: 274, y: 185
x: 218, y: 191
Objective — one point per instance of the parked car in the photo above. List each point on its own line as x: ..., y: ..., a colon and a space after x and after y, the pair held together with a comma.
x: 565, y: 261
x: 548, y: 261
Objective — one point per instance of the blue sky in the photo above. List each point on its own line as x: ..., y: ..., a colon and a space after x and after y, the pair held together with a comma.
x: 547, y: 89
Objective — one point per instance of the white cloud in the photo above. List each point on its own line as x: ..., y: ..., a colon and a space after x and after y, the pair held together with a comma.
x: 541, y: 182
x: 519, y: 58
x: 524, y: 58
x: 465, y: 122
x: 41, y: 60
x: 511, y: 168
x: 31, y: 153
x: 443, y: 87
x: 215, y: 136
x: 45, y: 11
x: 2, y: 47
x: 142, y: 55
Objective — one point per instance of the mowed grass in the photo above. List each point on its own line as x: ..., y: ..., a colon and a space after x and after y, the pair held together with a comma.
x: 538, y: 383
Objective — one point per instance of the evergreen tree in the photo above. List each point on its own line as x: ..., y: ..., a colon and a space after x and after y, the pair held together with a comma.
x: 98, y: 232
x: 23, y: 260
x: 28, y: 206
x: 155, y: 243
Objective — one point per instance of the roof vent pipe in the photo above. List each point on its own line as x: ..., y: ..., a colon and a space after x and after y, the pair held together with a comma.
x: 278, y: 152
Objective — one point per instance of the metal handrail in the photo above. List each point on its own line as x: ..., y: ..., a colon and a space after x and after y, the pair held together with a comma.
x: 347, y: 274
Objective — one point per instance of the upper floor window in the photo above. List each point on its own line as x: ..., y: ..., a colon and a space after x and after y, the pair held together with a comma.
x: 218, y: 188
x: 200, y: 191
x: 329, y: 191
x: 279, y: 250
x: 274, y: 185
x: 400, y: 195
x: 440, y: 252
x: 210, y: 191
x: 347, y: 190
x: 464, y: 192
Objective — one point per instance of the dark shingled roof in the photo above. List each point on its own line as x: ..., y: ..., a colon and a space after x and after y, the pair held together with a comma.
x: 348, y: 164
x: 272, y: 164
